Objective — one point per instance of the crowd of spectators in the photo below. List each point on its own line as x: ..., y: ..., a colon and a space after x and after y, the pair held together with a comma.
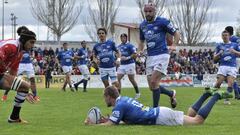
x: 183, y: 61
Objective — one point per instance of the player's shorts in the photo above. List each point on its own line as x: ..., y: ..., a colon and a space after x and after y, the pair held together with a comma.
x: 128, y: 69
x: 67, y: 69
x: 169, y: 117
x: 238, y: 64
x: 227, y: 71
x: 84, y: 70
x: 1, y: 80
x: 27, y: 69
x: 158, y: 63
x: 105, y: 73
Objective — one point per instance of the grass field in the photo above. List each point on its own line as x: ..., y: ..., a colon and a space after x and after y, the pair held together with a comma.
x: 63, y: 113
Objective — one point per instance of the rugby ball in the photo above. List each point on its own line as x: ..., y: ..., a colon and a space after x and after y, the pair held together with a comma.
x: 94, y: 115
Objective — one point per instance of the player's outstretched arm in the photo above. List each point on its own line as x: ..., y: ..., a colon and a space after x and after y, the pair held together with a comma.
x: 104, y: 122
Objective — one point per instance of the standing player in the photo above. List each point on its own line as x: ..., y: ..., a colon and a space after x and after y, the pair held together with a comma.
x: 26, y: 67
x: 131, y: 111
x: 82, y: 56
x: 104, y: 55
x: 128, y: 52
x: 153, y: 30
x: 226, y: 54
x: 65, y: 57
x: 11, y: 52
x: 235, y: 39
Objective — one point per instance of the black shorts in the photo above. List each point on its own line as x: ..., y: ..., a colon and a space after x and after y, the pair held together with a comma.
x: 1, y: 80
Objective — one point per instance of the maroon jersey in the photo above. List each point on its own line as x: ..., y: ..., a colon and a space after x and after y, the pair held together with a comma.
x: 10, y: 55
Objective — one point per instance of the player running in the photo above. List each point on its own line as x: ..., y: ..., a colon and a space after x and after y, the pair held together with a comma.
x: 129, y: 54
x: 153, y: 30
x: 234, y: 39
x: 82, y: 56
x: 104, y: 55
x: 226, y: 54
x: 65, y: 57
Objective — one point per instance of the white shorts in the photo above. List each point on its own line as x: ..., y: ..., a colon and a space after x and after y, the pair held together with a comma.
x: 26, y: 69
x: 84, y: 70
x: 169, y: 117
x: 128, y: 69
x: 158, y: 63
x: 227, y: 71
x: 105, y: 73
x: 67, y: 69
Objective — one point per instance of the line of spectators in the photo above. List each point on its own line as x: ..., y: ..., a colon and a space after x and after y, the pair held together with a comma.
x: 183, y: 61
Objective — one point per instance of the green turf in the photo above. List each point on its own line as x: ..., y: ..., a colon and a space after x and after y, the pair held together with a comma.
x: 63, y: 113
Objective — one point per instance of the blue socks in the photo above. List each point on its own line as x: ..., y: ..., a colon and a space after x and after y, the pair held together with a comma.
x: 165, y: 91
x: 85, y: 84
x: 136, y: 89
x: 205, y: 110
x: 156, y: 96
x: 197, y: 105
x: 79, y: 82
x: 236, y: 89
x: 229, y: 89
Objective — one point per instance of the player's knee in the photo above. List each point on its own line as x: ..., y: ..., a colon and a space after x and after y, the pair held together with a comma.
x: 24, y: 87
x: 154, y: 83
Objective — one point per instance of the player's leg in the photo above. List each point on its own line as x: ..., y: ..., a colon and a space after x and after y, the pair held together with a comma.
x: 31, y: 75
x: 67, y: 70
x: 153, y: 82
x: 20, y: 72
x: 131, y: 78
x: 192, y: 111
x: 113, y: 76
x: 203, y: 113
x: 104, y: 76
x: 230, y: 81
x: 131, y: 71
x: 86, y: 76
x: 68, y: 80
x: 171, y: 94
x: 10, y: 82
x: 81, y: 81
x: 120, y: 76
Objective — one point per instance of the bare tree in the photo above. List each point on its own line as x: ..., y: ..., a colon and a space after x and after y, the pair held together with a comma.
x: 159, y: 6
x: 193, y: 18
x: 58, y: 15
x: 101, y: 15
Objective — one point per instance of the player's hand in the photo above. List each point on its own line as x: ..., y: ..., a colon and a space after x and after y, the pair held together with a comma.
x: 232, y: 50
x: 37, y: 98
x: 30, y: 98
x: 139, y: 54
x: 123, y: 58
x: 88, y: 122
x: 103, y: 119
x: 172, y: 48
